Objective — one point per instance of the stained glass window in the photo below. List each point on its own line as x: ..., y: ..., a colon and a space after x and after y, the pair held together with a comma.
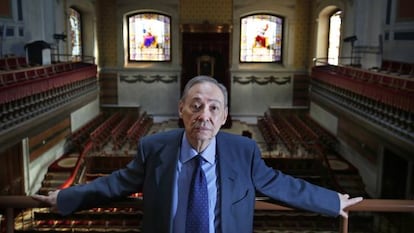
x: 75, y: 32
x: 149, y: 37
x: 261, y: 38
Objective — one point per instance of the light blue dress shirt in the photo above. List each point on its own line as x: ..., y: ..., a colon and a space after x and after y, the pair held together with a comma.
x: 185, y: 168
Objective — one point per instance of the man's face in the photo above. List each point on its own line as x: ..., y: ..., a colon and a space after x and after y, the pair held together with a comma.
x: 203, y: 113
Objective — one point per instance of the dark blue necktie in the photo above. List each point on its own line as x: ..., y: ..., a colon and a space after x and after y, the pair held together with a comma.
x: 197, y: 209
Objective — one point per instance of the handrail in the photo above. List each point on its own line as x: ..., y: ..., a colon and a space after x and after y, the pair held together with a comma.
x: 56, y: 57
x: 367, y: 205
x: 75, y: 171
x: 324, y: 60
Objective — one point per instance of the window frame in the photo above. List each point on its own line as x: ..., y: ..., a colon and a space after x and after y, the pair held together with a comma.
x: 167, y: 58
x: 282, y: 25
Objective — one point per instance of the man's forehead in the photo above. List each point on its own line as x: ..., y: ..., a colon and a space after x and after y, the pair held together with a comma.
x: 209, y: 99
x: 206, y: 91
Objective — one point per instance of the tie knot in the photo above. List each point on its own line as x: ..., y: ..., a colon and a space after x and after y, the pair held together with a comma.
x: 199, y: 159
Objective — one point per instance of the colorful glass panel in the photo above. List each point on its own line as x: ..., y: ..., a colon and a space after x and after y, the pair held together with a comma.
x: 149, y: 37
x: 261, y: 38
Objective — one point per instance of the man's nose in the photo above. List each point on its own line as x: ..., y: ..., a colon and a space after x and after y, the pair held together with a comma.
x: 204, y: 114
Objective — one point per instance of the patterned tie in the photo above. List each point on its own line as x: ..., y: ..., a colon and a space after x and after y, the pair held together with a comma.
x: 197, y: 210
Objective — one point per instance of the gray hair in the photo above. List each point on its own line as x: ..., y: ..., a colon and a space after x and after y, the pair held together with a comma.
x: 203, y: 79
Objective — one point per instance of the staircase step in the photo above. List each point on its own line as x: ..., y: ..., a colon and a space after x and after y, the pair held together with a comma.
x: 57, y: 175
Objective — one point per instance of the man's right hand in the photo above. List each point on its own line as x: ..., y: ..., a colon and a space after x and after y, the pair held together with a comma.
x: 50, y: 199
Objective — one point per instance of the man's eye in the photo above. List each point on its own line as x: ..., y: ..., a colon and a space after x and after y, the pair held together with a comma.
x: 214, y: 108
x: 195, y: 107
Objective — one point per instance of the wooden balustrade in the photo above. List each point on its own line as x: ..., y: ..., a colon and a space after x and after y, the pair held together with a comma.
x: 382, y: 98
x: 9, y: 203
x: 379, y: 110
x: 15, y: 112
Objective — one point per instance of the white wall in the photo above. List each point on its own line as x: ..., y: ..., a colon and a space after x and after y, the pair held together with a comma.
x: 157, y: 96
x: 253, y: 99
x: 37, y: 169
x: 83, y: 115
x: 368, y: 172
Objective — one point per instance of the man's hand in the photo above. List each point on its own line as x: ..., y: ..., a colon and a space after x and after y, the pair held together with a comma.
x: 345, y: 202
x: 51, y: 199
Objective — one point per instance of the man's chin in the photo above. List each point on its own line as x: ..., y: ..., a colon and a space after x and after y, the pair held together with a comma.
x: 202, y: 135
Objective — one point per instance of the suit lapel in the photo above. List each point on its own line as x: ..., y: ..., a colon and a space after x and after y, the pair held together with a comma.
x: 228, y: 178
x: 165, y: 170
x: 165, y: 177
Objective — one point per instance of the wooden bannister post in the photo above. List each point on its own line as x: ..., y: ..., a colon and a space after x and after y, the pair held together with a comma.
x: 9, y: 220
x: 343, y: 226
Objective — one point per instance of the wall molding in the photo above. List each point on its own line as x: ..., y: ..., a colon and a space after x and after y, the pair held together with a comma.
x: 148, y: 78
x: 262, y: 80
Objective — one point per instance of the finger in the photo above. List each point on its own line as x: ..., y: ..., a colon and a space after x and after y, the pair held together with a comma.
x: 42, y: 198
x: 39, y: 197
x: 351, y: 202
x: 355, y: 200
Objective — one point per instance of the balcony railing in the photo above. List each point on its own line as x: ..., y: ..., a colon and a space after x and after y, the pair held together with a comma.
x: 10, y: 203
x: 381, y: 98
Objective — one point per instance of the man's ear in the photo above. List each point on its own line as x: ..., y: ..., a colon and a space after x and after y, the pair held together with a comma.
x: 180, y: 109
x: 226, y: 112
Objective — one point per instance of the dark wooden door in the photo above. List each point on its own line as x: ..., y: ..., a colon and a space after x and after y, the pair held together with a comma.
x: 213, y: 45
x: 11, y: 171
x: 198, y: 45
x: 394, y: 176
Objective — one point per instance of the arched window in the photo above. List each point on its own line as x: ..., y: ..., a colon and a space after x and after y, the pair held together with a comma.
x: 149, y: 37
x: 75, y: 33
x: 328, y: 39
x: 334, y: 37
x: 261, y: 38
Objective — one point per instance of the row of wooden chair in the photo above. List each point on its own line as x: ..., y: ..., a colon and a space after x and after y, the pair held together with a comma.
x: 10, y: 77
x: 370, y: 77
x: 80, y: 137
x: 400, y: 98
x: 397, y: 67
x: 13, y: 63
x: 116, y: 129
x: 119, y: 133
x: 270, y: 136
x: 139, y: 129
x: 294, y: 131
x: 101, y: 135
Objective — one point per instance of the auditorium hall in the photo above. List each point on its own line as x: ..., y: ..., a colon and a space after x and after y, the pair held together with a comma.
x: 325, y: 88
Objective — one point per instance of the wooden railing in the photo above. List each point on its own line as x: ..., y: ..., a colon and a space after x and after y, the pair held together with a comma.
x: 9, y: 203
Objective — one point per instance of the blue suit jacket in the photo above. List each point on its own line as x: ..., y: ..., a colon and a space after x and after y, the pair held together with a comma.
x: 242, y: 173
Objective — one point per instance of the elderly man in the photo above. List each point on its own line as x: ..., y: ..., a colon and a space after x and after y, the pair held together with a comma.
x: 227, y: 171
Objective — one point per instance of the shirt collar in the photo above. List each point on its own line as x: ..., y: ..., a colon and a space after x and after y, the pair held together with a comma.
x: 188, y: 152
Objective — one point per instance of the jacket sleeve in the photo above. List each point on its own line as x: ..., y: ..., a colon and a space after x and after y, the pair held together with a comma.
x: 118, y: 184
x: 292, y: 191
